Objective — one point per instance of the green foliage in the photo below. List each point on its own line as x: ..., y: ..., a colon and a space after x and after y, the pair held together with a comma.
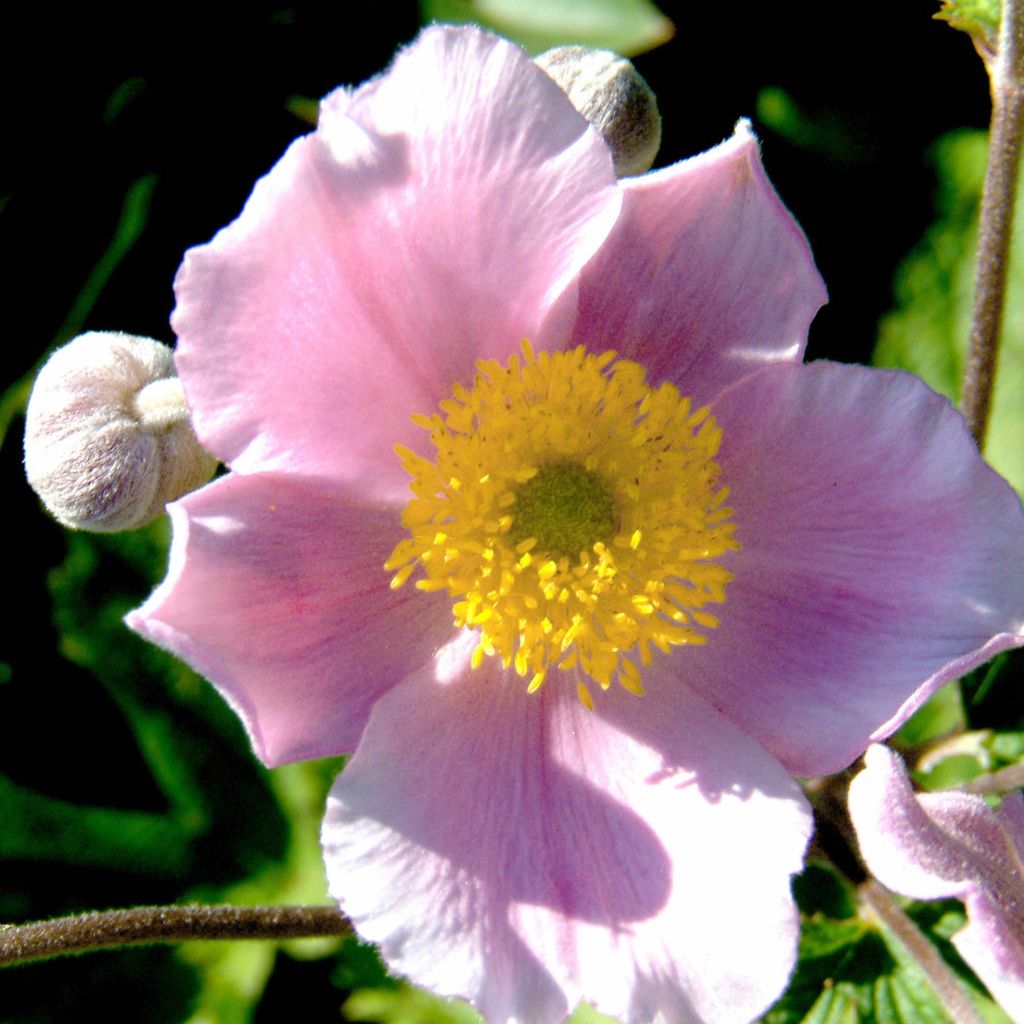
x: 851, y: 969
x: 829, y: 134
x: 625, y: 26
x: 927, y: 332
x: 943, y: 714
x: 403, y: 1004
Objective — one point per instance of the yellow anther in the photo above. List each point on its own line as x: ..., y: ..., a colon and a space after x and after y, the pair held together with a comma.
x: 624, y: 512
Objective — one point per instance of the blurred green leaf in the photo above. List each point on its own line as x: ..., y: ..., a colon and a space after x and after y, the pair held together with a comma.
x: 40, y: 828
x: 233, y: 975
x: 830, y: 134
x: 950, y: 772
x: 943, y: 714
x: 927, y: 332
x: 1006, y: 748
x: 407, y: 1005
x: 625, y: 26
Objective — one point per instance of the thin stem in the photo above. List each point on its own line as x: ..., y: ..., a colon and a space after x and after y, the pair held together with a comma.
x: 925, y: 955
x: 140, y: 925
x: 1006, y: 780
x: 1006, y: 73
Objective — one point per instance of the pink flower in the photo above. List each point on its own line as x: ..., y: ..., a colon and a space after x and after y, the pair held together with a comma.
x: 937, y: 845
x: 785, y: 578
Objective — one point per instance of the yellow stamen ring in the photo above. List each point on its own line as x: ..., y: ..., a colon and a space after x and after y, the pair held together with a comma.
x: 573, y: 513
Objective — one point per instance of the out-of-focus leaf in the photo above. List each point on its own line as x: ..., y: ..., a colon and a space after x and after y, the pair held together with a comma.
x: 40, y: 828
x: 232, y: 975
x: 304, y: 108
x: 943, y: 714
x: 1006, y: 748
x: 828, y: 134
x: 950, y: 772
x: 625, y: 26
x: 927, y: 332
x: 231, y: 978
x: 586, y: 1014
x: 406, y: 1005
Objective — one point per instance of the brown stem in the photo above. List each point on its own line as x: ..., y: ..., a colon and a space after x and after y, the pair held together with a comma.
x: 1006, y: 73
x: 925, y: 955
x: 139, y: 925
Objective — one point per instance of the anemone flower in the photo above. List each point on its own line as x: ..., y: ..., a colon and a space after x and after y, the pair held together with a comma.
x: 534, y: 509
x: 937, y: 845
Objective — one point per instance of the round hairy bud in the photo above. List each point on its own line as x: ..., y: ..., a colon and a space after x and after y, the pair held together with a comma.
x: 108, y: 441
x: 609, y: 92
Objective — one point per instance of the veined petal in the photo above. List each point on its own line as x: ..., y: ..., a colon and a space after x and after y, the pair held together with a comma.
x: 432, y: 219
x: 936, y: 845
x: 880, y: 557
x: 558, y: 854
x: 276, y: 592
x: 728, y: 281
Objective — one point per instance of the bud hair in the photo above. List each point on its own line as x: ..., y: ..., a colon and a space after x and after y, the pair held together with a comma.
x: 108, y: 440
x: 609, y: 92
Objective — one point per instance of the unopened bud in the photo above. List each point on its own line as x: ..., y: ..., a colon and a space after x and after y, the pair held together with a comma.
x: 609, y: 92
x: 108, y: 440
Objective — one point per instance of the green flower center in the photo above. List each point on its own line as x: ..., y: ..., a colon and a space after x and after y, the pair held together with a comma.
x: 566, y: 508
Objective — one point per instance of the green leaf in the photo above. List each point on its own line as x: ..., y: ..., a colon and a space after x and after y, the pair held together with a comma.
x: 850, y: 970
x: 625, y: 26
x: 943, y: 714
x: 950, y: 772
x: 42, y: 828
x: 828, y: 134
x: 406, y: 1005
x: 927, y: 332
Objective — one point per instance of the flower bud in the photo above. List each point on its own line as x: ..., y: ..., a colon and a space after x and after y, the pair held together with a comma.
x: 607, y: 90
x: 108, y: 441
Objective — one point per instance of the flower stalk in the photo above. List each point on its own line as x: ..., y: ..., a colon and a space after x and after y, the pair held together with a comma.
x: 884, y: 907
x: 110, y: 929
x: 1006, y: 74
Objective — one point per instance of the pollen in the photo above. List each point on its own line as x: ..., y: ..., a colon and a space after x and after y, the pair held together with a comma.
x: 575, y: 516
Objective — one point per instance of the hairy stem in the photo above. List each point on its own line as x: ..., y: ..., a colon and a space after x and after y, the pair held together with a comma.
x: 925, y: 955
x: 140, y: 925
x: 1006, y: 72
x: 1006, y: 780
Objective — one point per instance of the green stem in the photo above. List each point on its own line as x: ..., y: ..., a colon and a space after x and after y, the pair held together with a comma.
x: 1006, y: 72
x: 141, y: 925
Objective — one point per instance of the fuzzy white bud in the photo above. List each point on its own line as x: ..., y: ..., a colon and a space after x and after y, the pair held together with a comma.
x: 108, y: 440
x: 609, y: 92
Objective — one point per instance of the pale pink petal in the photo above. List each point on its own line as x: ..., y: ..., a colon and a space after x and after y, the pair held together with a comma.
x: 950, y: 844
x: 881, y: 557
x: 525, y: 853
x: 276, y: 592
x: 434, y: 216
x: 706, y: 276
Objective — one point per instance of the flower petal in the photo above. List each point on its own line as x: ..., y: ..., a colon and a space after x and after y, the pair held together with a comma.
x: 706, y: 276
x: 880, y: 557
x: 432, y: 218
x: 276, y: 592
x: 950, y: 844
x: 525, y: 853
